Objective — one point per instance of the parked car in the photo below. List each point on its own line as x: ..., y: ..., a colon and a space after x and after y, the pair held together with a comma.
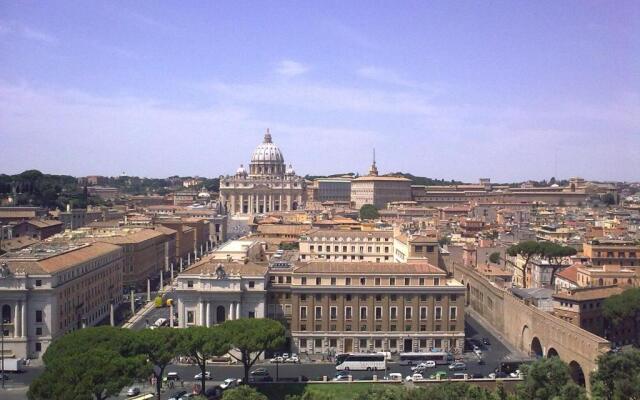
x: 259, y: 372
x: 341, y: 376
x: 414, y: 377
x: 476, y: 376
x: 458, y: 376
x: 293, y: 359
x: 229, y: 383
x: 133, y: 391
x: 424, y: 365
x: 172, y: 376
x: 497, y: 375
x: 207, y: 376
x: 439, y: 375
x: 516, y: 374
x: 457, y: 366
x: 277, y: 360
x: 486, y: 342
x: 394, y: 376
x: 285, y: 355
x: 177, y: 395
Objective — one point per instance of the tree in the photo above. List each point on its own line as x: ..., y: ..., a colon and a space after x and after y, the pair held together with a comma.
x: 555, y: 254
x: 201, y: 343
x: 159, y: 346
x: 548, y: 378
x: 495, y: 257
x: 368, y: 211
x: 618, y: 376
x: 526, y: 250
x: 251, y: 337
x: 92, y: 363
x: 243, y: 393
x: 623, y: 307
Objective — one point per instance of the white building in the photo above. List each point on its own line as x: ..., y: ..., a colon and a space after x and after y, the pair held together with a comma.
x: 211, y: 292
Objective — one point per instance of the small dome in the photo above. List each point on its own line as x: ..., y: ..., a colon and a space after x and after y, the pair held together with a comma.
x: 241, y: 170
x: 204, y: 193
x: 290, y: 170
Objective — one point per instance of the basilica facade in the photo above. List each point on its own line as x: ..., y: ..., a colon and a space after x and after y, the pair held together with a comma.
x: 268, y: 185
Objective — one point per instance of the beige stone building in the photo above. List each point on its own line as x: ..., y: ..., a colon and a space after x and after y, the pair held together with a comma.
x: 360, y: 307
x: 379, y: 190
x: 50, y: 289
x: 347, y: 246
x: 268, y: 185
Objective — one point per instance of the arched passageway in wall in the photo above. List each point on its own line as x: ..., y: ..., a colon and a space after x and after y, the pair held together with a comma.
x: 552, y: 353
x: 576, y: 373
x: 536, y: 348
x: 220, y: 314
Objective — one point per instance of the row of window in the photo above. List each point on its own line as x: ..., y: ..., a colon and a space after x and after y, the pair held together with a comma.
x: 392, y: 281
x: 379, y: 313
x: 378, y: 297
x: 348, y: 239
x: 377, y: 343
x: 621, y: 254
x: 378, y: 328
x: 336, y: 249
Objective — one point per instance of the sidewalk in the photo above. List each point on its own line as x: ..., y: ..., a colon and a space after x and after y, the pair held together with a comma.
x: 145, y: 309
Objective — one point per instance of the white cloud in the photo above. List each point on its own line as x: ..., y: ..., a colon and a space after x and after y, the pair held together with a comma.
x: 291, y: 68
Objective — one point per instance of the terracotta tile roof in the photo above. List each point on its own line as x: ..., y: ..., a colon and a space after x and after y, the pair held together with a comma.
x: 323, y: 267
x: 589, y: 293
x: 381, y: 178
x: 335, y: 233
x: 134, y: 237
x: 209, y: 266
x: 17, y: 214
x: 570, y: 273
x: 43, y: 223
x: 18, y: 243
x: 283, y: 229
x: 165, y: 230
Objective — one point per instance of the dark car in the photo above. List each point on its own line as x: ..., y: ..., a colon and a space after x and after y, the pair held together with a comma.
x: 485, y: 341
x: 501, y: 374
x: 177, y: 395
x: 476, y: 376
x: 259, y: 372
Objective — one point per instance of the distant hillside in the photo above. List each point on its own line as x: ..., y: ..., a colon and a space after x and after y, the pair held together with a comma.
x: 421, y: 180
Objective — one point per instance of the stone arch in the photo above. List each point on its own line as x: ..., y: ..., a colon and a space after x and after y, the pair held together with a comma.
x: 577, y: 374
x: 552, y: 353
x: 6, y: 314
x: 536, y: 347
x: 294, y: 206
x: 525, y: 338
x: 221, y: 313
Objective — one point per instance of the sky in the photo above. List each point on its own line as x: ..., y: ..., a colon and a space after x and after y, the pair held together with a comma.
x: 510, y: 90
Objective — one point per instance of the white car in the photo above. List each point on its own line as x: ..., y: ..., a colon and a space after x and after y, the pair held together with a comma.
x: 414, y: 377
x: 229, y: 383
x: 133, y: 391
x: 394, y: 376
x: 277, y: 360
x: 293, y: 359
x: 285, y: 355
x: 424, y: 365
x: 515, y: 374
x: 207, y: 376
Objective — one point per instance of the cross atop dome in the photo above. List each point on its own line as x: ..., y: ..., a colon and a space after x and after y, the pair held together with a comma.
x: 267, y: 137
x: 373, y: 171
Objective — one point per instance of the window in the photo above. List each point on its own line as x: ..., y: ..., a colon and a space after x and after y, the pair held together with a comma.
x: 392, y: 281
x: 303, y: 280
x: 454, y: 297
x: 317, y: 343
x: 363, y: 281
x: 348, y: 312
x: 408, y: 312
x: 363, y: 344
x: 38, y: 282
x: 333, y: 312
x: 303, y: 343
x: 252, y: 284
x: 407, y: 281
x: 318, y: 281
x: 38, y: 331
x: 393, y: 312
x: 303, y: 327
x: 423, y: 328
x: 189, y: 317
x: 393, y: 343
x: 423, y: 343
x: 363, y: 297
x: 318, y: 296
x: 38, y: 315
x: 252, y: 314
x: 363, y: 312
x: 348, y: 297
x: 347, y: 281
x: 318, y: 312
x: 318, y: 327
x: 438, y: 312
x: 38, y: 346
x: 423, y: 297
x: 393, y: 297
x: 303, y: 312
x: 347, y: 327
x: 423, y: 312
x: 378, y: 297
x: 421, y: 282
x: 378, y: 328
x: 190, y: 284
x: 333, y: 280
x: 378, y: 312
x: 436, y: 281
x: 333, y: 297
x: 377, y: 281
x: 333, y: 343
x: 453, y: 313
x: 438, y: 297
x: 303, y: 297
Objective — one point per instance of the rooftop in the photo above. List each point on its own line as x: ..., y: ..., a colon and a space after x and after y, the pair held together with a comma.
x: 322, y: 267
x: 589, y: 293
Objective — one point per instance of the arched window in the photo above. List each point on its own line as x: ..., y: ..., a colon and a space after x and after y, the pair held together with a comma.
x: 220, y: 314
x: 6, y: 314
x: 600, y: 282
x: 615, y: 281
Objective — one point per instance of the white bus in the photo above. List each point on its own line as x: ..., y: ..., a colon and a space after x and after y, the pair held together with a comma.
x: 361, y: 362
x: 439, y: 357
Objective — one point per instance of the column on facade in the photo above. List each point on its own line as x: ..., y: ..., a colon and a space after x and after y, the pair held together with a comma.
x: 182, y: 317
x: 280, y: 202
x: 202, y: 310
x: 231, y: 310
x: 23, y: 320
x: 241, y: 204
x: 271, y: 201
x: 208, y: 314
x: 264, y: 203
x: 238, y: 310
x: 288, y: 202
x: 15, y: 320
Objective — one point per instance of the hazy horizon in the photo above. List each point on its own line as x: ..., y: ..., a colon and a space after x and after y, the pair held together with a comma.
x: 511, y: 91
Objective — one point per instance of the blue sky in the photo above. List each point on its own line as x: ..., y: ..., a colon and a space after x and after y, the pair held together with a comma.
x: 455, y: 89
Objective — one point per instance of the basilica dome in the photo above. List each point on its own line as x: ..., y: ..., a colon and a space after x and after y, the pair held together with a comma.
x: 267, y: 151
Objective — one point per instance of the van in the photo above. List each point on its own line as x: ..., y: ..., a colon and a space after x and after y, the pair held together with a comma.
x: 161, y: 322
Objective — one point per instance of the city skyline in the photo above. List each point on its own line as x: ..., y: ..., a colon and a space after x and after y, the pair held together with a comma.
x: 453, y: 91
